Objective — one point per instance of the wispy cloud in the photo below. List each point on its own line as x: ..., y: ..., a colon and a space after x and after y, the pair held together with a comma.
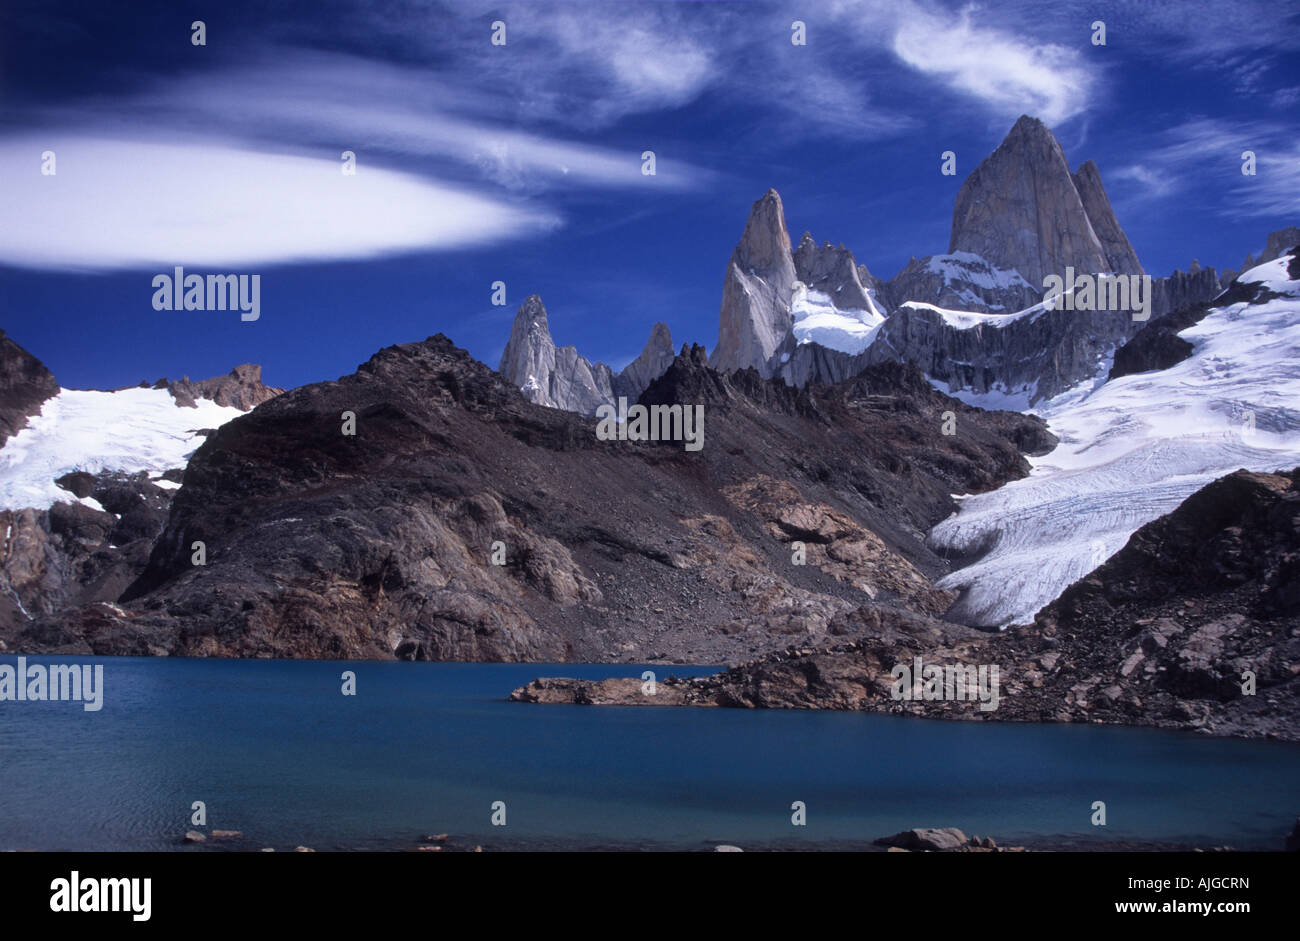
x: 339, y: 101
x: 1205, y: 154
x: 1008, y: 72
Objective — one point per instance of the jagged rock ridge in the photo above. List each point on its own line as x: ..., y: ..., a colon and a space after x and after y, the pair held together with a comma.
x: 381, y: 545
x: 560, y: 377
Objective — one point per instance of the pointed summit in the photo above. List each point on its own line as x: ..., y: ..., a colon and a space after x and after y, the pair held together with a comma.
x: 756, y: 292
x: 561, y: 377
x: 529, y: 355
x: 765, y: 242
x: 655, y: 358
x: 1119, y: 252
x: 1022, y: 210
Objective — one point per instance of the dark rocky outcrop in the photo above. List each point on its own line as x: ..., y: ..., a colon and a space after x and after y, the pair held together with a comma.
x: 25, y: 384
x: 1157, y: 345
x: 381, y: 544
x: 72, y: 554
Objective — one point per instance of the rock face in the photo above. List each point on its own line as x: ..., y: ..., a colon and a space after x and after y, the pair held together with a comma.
x: 1278, y: 244
x: 654, y: 360
x: 25, y: 384
x: 1171, y: 631
x: 1022, y: 210
x: 382, y: 544
x: 1119, y: 254
x: 1040, y: 355
x: 1035, y: 356
x: 560, y: 377
x: 835, y: 273
x: 71, y: 554
x: 1196, y: 287
x: 962, y: 281
x: 757, y: 292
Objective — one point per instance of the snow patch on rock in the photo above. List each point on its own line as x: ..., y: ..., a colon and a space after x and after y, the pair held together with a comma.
x: 130, y: 430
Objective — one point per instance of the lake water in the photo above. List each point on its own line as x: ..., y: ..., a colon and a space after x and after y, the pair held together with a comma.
x: 275, y: 751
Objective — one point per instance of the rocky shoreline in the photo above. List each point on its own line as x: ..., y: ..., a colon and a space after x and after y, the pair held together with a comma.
x: 1194, y: 625
x: 916, y: 840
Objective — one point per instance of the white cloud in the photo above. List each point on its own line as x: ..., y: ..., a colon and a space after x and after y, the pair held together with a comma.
x: 1010, y: 73
x: 153, y: 204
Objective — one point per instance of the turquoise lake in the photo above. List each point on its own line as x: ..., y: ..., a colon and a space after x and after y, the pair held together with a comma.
x: 276, y: 751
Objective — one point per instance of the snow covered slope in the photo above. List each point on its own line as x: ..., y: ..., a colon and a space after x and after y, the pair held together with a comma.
x: 818, y: 320
x: 967, y: 268
x: 131, y: 430
x: 1131, y: 450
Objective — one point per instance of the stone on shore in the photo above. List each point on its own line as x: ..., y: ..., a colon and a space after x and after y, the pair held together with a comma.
x: 926, y: 838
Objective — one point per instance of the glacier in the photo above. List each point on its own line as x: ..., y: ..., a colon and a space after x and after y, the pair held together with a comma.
x: 1132, y: 449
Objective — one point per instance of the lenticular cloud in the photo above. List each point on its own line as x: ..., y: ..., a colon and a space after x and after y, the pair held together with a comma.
x: 131, y: 204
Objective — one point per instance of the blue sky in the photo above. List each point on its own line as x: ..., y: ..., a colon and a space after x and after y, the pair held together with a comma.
x: 522, y: 163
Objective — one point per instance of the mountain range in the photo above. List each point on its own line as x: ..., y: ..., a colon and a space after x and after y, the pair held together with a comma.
x: 814, y: 314
x: 942, y: 463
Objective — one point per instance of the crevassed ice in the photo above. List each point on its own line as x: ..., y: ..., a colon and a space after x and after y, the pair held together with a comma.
x: 1132, y: 450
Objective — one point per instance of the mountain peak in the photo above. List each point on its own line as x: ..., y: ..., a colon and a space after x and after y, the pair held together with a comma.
x: 532, y: 309
x: 766, y: 241
x: 656, y: 356
x: 561, y: 377
x: 1027, y: 126
x: 1022, y: 209
x: 757, y: 291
